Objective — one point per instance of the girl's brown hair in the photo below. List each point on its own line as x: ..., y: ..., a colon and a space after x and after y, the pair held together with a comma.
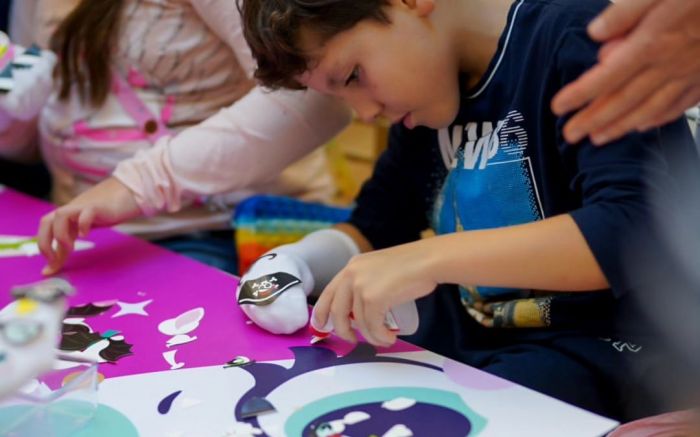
x: 84, y: 42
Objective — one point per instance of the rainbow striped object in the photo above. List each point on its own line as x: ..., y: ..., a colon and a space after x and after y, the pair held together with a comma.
x: 264, y: 222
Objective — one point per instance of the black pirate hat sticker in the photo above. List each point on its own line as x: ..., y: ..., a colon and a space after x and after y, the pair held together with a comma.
x: 266, y: 289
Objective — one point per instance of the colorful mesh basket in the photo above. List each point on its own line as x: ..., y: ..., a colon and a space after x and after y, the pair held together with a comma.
x: 264, y: 222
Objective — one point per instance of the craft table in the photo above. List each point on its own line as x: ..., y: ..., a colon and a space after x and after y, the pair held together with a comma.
x: 168, y: 326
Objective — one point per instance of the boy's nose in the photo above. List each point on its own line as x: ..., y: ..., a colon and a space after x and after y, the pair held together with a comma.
x: 367, y: 110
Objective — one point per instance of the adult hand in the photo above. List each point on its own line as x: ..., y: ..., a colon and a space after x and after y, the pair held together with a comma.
x: 370, y: 285
x: 108, y: 203
x: 648, y: 71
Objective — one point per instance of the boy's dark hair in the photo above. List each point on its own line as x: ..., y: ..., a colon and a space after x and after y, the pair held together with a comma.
x: 272, y: 29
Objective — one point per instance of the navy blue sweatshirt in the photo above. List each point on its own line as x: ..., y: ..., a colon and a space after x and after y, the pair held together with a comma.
x: 503, y: 161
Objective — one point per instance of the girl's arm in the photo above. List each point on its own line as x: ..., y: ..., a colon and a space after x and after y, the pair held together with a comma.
x: 250, y: 142
x: 247, y: 143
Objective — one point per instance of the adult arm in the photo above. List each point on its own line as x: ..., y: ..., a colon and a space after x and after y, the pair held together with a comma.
x: 648, y: 72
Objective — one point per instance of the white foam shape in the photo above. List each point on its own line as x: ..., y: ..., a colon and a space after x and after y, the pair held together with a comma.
x: 27, y: 246
x: 138, y: 308
x: 399, y: 430
x: 188, y: 402
x: 83, y: 245
x: 92, y: 353
x: 30, y: 387
x: 180, y: 339
x: 398, y: 404
x: 243, y: 429
x: 182, y: 324
x: 76, y: 321
x: 170, y: 359
x: 354, y: 417
x: 337, y: 426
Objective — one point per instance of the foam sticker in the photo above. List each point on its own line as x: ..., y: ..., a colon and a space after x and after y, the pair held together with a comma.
x: 398, y: 404
x: 256, y: 406
x: 239, y: 361
x: 138, y: 308
x: 399, y: 430
x: 170, y: 359
x: 91, y: 309
x: 354, y: 417
x: 14, y: 245
x: 266, y: 289
x: 243, y: 429
x: 167, y: 402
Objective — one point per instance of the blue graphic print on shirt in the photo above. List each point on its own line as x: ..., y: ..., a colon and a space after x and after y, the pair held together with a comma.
x: 490, y: 181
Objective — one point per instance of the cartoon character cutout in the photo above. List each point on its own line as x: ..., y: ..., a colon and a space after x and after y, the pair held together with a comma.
x: 80, y: 342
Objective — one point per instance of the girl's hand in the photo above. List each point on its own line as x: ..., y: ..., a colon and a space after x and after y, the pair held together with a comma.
x: 107, y: 203
x: 370, y: 285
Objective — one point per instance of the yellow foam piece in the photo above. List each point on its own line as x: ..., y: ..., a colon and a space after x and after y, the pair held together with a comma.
x: 26, y: 306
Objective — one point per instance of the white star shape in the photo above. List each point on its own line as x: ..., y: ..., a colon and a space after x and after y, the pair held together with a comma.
x: 126, y: 308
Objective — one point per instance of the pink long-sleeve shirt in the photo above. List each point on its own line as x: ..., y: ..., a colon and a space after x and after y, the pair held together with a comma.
x: 193, y: 51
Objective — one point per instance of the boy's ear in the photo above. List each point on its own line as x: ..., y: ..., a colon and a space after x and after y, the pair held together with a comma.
x: 422, y: 7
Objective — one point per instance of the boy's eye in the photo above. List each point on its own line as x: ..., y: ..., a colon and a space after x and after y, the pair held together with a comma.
x: 354, y: 76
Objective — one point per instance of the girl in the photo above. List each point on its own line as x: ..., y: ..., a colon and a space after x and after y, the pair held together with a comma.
x: 131, y: 77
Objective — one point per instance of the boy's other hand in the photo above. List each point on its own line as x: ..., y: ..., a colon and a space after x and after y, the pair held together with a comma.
x: 370, y: 285
x: 108, y: 203
x: 648, y: 72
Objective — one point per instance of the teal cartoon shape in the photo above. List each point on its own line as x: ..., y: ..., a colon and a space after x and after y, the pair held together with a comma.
x: 386, y: 411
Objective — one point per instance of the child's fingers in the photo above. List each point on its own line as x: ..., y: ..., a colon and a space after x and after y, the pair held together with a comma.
x: 319, y: 314
x: 58, y: 261
x: 45, y: 236
x: 64, y: 231
x: 358, y: 314
x: 375, y: 319
x: 85, y: 220
x: 340, y: 309
x: 64, y: 227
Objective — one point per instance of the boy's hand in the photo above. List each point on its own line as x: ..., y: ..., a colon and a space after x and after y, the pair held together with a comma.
x: 370, y: 285
x: 273, y: 292
x: 108, y: 203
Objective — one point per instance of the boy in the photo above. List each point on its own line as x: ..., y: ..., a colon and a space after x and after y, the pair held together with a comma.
x: 534, y: 228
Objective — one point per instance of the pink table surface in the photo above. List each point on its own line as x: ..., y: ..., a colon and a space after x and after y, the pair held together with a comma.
x: 131, y: 270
